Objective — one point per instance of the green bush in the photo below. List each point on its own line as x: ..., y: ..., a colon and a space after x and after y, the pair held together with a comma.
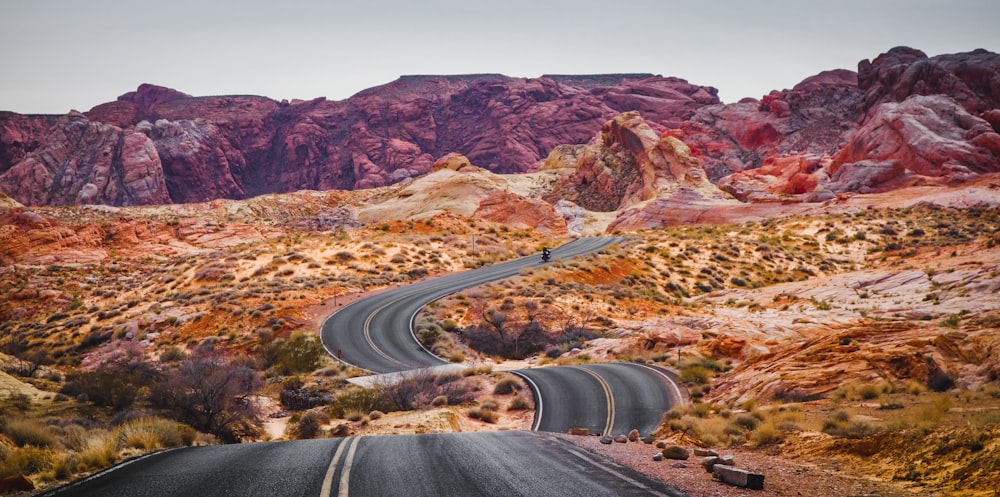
x: 300, y: 353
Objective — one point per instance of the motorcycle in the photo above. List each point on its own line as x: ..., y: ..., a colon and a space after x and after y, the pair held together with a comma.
x: 546, y: 255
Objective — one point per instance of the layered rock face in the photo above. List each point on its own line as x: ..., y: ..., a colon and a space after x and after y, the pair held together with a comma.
x: 241, y: 146
x: 817, y: 116
x: 626, y: 164
x: 902, y: 119
x: 919, y: 120
x: 116, y: 166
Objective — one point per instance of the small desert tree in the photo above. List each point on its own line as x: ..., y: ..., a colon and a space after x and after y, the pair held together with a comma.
x: 214, y: 394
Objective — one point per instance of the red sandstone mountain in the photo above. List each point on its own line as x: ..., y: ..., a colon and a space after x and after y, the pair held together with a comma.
x: 239, y: 146
x: 903, y: 119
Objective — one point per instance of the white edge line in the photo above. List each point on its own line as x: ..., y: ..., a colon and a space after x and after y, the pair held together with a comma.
x: 108, y: 471
x: 616, y: 474
x: 677, y: 390
x: 538, y: 399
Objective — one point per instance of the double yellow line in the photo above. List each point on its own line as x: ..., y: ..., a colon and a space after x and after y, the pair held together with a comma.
x: 326, y: 490
x: 610, y: 423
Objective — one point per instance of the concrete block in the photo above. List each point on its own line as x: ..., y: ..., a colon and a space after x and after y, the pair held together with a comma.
x: 738, y: 477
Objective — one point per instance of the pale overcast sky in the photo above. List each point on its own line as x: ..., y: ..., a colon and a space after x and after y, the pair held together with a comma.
x: 57, y: 55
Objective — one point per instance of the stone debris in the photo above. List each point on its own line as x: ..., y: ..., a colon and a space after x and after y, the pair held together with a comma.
x: 738, y: 477
x: 633, y: 436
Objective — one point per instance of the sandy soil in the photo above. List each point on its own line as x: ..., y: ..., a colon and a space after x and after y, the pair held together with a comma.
x: 782, y: 477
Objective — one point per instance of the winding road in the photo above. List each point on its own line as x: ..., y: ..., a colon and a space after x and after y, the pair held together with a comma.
x: 376, y: 334
x: 500, y: 464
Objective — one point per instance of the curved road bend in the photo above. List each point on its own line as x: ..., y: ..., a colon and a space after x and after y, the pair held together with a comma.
x: 607, y: 399
x: 374, y: 333
x: 501, y: 464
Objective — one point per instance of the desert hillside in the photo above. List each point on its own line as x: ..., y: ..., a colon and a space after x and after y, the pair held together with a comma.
x: 819, y: 266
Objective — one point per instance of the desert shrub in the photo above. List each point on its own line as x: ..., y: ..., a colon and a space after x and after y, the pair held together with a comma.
x: 361, y: 400
x: 490, y: 405
x: 766, y: 434
x: 150, y: 433
x: 795, y: 395
x: 103, y: 388
x: 869, y: 391
x: 840, y: 416
x: 484, y: 415
x: 376, y: 415
x: 418, y: 391
x: 26, y: 461
x: 849, y: 429
x: 212, y: 393
x: 172, y: 353
x: 440, y: 400
x: 300, y: 399
x: 309, y: 425
x: 519, y: 403
x: 507, y: 385
x: 939, y: 381
x: 300, y: 353
x: 19, y: 401
x: 746, y: 421
x: 26, y: 431
x: 695, y: 375
x: 98, y: 452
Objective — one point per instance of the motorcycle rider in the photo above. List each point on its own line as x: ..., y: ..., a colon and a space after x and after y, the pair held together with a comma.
x: 546, y: 254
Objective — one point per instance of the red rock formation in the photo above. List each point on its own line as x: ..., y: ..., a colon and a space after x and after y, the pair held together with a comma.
x: 82, y: 162
x: 243, y: 146
x: 972, y: 79
x: 776, y: 178
x: 815, y: 117
x: 929, y: 137
x: 921, y: 120
x: 521, y: 213
x: 627, y: 163
x: 240, y: 146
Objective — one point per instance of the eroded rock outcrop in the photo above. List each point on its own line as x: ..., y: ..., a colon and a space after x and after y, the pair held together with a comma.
x: 242, y: 146
x: 83, y: 162
x: 928, y: 137
x: 626, y: 164
x: 817, y: 116
x: 519, y: 212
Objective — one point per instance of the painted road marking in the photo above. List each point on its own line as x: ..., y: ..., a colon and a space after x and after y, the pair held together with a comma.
x: 610, y: 424
x: 345, y: 474
x: 328, y: 479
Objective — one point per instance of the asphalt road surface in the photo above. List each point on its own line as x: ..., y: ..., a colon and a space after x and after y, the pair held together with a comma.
x: 502, y: 464
x: 376, y: 334
x: 607, y: 399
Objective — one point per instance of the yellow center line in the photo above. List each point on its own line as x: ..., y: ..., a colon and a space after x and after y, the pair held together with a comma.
x: 610, y: 424
x: 345, y: 475
x: 368, y: 335
x: 328, y: 479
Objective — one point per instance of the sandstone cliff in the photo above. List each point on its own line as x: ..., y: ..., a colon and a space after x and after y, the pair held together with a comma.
x: 902, y: 119
x: 239, y: 146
